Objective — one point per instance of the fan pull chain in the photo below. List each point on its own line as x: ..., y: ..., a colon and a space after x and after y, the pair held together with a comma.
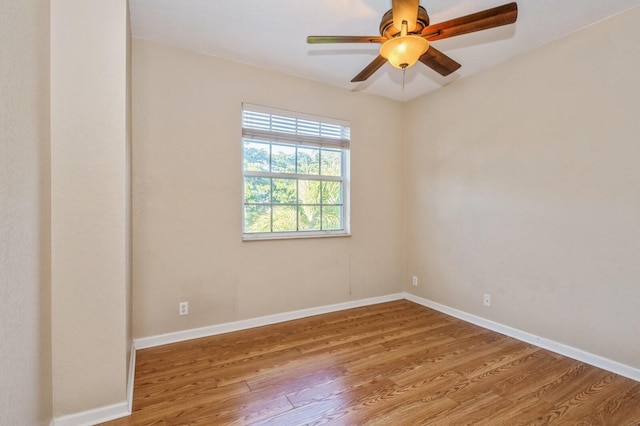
x: 403, y: 71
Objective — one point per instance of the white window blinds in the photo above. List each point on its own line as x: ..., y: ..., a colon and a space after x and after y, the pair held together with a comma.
x: 272, y: 125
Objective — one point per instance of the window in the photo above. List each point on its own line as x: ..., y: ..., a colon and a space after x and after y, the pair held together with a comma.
x: 296, y: 174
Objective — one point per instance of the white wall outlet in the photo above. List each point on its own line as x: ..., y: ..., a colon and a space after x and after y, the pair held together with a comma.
x: 414, y: 281
x: 183, y: 308
x: 487, y: 300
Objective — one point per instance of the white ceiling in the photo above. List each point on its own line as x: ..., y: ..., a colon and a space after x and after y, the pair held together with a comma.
x: 272, y: 34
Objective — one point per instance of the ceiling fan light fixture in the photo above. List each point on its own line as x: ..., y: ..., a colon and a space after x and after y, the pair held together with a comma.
x: 409, y: 45
x: 404, y: 51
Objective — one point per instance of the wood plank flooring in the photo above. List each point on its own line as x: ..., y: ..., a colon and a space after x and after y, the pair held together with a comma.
x: 395, y: 363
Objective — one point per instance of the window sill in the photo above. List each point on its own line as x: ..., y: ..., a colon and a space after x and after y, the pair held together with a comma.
x: 266, y: 236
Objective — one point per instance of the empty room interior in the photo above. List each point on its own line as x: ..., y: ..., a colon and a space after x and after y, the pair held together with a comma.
x: 484, y: 228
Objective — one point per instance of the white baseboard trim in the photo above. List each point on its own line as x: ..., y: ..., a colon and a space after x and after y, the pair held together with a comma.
x: 179, y: 336
x: 560, y: 348
x: 95, y: 416
x: 131, y: 378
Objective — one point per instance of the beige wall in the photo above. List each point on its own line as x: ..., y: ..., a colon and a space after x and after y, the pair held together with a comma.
x: 89, y: 204
x: 187, y: 196
x: 523, y: 182
x: 25, y: 345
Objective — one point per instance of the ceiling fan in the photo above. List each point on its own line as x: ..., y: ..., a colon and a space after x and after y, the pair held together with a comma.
x: 405, y: 34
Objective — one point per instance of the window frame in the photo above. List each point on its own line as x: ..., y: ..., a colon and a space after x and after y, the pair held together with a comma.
x: 299, y: 141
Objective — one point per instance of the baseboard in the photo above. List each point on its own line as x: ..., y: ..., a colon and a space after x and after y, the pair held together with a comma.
x: 95, y: 416
x: 179, y: 336
x: 131, y: 378
x: 560, y: 348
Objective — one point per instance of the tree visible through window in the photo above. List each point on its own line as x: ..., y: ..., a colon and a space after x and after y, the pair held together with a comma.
x: 295, y: 174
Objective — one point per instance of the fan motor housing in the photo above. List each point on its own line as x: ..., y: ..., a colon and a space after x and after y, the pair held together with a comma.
x: 389, y: 31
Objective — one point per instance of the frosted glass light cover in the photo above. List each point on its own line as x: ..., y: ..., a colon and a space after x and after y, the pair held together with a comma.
x: 404, y: 51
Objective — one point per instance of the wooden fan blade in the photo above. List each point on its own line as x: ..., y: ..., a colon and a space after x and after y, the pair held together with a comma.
x: 490, y: 18
x: 345, y: 39
x: 405, y: 10
x: 439, y: 62
x: 370, y: 69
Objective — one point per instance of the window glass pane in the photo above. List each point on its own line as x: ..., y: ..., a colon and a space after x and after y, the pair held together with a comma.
x: 257, y: 218
x: 331, y: 164
x: 331, y: 192
x: 257, y: 190
x: 308, y: 161
x: 284, y: 218
x: 283, y: 158
x: 309, y: 191
x: 256, y: 156
x: 331, y: 217
x: 284, y: 191
x: 309, y: 218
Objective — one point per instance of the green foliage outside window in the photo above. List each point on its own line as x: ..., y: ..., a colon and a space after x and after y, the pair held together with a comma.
x: 309, y: 200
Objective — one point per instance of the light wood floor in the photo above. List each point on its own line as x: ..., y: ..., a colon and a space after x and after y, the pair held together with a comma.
x: 395, y: 363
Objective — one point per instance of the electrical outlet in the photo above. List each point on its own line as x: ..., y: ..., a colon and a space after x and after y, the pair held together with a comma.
x: 415, y: 280
x: 183, y: 308
x: 487, y: 300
